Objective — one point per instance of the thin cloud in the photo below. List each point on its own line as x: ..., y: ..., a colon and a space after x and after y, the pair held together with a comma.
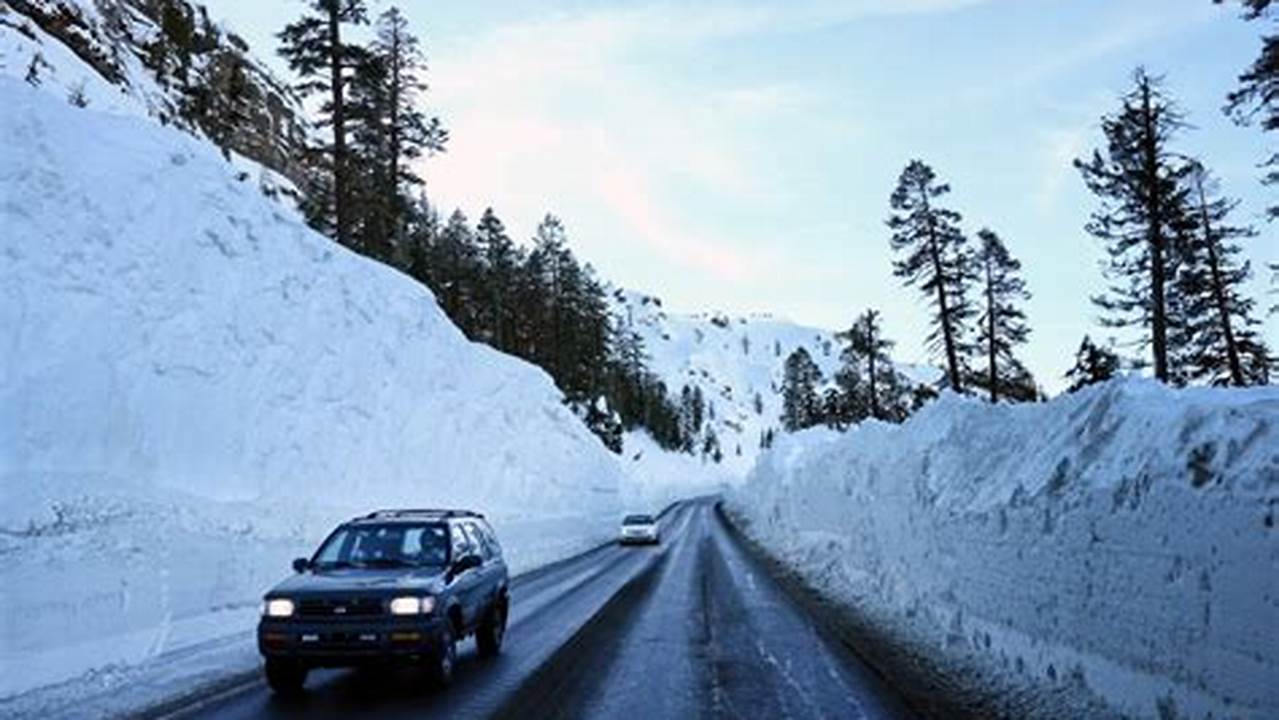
x: 1112, y: 39
x: 550, y: 114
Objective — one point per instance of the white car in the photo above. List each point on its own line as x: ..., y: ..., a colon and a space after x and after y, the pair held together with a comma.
x: 639, y: 529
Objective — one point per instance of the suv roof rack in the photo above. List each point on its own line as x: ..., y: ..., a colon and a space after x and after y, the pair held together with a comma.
x: 431, y: 512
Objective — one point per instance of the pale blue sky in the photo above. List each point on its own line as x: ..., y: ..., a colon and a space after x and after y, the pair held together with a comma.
x: 739, y: 155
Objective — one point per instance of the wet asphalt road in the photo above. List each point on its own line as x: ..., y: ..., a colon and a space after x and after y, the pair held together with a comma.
x: 693, y: 628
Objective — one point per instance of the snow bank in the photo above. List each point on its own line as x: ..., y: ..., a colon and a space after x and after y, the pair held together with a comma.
x: 1120, y: 542
x: 194, y: 387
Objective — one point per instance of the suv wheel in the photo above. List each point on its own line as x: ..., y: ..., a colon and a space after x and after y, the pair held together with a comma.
x: 445, y: 661
x: 489, y: 636
x: 285, y: 677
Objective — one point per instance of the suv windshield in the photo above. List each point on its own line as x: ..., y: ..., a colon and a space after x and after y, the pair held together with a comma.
x: 386, y: 545
x: 638, y: 520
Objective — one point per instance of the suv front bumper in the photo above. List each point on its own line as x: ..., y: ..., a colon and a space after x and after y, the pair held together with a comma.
x: 350, y: 642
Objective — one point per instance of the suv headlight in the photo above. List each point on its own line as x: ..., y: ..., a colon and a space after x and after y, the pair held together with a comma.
x: 278, y: 608
x: 412, y: 605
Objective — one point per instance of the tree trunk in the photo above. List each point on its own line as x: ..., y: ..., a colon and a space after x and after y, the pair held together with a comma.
x: 1159, y: 315
x: 1156, y: 240
x: 393, y: 179
x: 943, y: 307
x: 990, y: 332
x: 943, y: 312
x: 874, y: 394
x: 557, y: 344
x: 1219, y: 290
x: 340, y: 208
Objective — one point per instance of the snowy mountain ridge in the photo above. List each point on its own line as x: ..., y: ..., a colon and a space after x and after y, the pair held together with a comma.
x: 736, y: 362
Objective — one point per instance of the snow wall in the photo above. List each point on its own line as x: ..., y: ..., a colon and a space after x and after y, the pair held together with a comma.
x: 1121, y: 541
x: 194, y: 387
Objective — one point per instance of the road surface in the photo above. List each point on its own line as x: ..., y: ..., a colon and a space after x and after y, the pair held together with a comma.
x: 693, y: 628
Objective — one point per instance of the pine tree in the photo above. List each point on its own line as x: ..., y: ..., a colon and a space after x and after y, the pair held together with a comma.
x: 1139, y: 181
x: 388, y: 129
x: 835, y: 409
x: 866, y: 345
x: 801, y: 407
x: 592, y: 331
x: 899, y: 398
x: 584, y: 343
x: 710, y: 445
x: 315, y: 50
x: 687, y: 430
x: 699, y: 409
x: 1217, y: 340
x: 421, y: 236
x: 1257, y: 97
x: 1002, y: 325
x: 501, y: 260
x: 410, y: 132
x: 1093, y: 364
x: 936, y: 261
x: 374, y: 204
x: 546, y: 263
x: 853, y: 404
x: 456, y: 266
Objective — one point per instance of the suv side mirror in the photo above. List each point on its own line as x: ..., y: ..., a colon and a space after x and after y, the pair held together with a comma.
x: 466, y: 562
x: 301, y: 565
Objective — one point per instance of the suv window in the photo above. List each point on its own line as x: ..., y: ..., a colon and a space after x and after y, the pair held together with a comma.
x: 462, y: 544
x: 487, y: 531
x: 483, y: 538
x: 385, y: 544
x: 477, y: 541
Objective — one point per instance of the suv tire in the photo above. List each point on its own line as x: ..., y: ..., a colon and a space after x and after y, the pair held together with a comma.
x: 489, y: 636
x: 285, y: 677
x: 444, y: 664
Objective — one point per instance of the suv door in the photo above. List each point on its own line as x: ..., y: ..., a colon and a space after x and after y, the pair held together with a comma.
x: 465, y: 585
x: 490, y: 580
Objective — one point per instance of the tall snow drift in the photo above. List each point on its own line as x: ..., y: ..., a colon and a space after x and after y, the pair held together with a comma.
x: 1120, y: 543
x: 193, y: 385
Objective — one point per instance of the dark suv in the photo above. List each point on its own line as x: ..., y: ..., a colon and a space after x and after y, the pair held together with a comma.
x: 393, y: 585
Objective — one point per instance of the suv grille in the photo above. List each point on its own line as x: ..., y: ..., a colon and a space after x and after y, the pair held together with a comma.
x: 340, y: 607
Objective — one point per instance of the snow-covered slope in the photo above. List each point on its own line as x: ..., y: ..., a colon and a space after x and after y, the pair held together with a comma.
x: 115, y: 56
x: 193, y: 386
x: 1120, y: 543
x: 737, y: 362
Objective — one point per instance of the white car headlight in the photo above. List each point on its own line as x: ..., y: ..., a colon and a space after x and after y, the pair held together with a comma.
x: 412, y: 605
x: 278, y: 608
